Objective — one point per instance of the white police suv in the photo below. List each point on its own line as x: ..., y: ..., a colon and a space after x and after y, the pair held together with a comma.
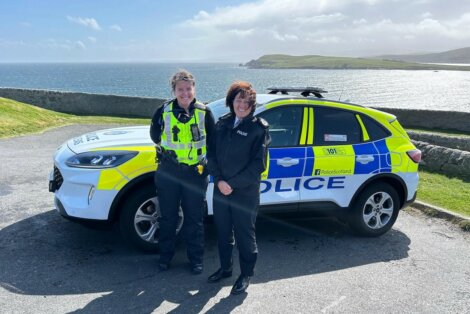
x: 325, y: 155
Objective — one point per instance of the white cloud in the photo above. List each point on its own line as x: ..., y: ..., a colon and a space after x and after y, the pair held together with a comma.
x: 273, y: 11
x: 12, y: 43
x: 62, y: 44
x: 269, y: 25
x: 360, y: 21
x: 320, y: 19
x: 341, y: 27
x: 25, y: 24
x: 426, y: 15
x: 242, y: 33
x: 88, y: 22
x: 283, y: 37
x: 116, y: 27
x: 326, y: 40
x: 55, y: 44
x: 92, y: 39
x: 79, y: 44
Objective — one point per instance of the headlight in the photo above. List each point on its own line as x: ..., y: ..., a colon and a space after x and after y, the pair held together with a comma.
x: 100, y: 159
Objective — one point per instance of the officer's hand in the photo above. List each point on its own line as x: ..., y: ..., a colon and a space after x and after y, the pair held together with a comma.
x: 224, y: 188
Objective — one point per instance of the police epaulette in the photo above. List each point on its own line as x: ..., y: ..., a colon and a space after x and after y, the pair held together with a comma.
x: 200, y: 106
x: 262, y: 122
x: 225, y: 116
x: 166, y: 104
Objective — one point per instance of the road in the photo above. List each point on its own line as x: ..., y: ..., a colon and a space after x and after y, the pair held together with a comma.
x: 48, y: 264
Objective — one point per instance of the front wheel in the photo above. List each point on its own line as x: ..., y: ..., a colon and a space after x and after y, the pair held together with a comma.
x: 375, y: 210
x: 140, y: 219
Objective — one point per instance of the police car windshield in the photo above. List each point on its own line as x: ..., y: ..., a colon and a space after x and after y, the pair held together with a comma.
x: 218, y: 108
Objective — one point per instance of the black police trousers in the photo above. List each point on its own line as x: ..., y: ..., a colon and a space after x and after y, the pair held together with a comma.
x: 179, y: 185
x: 235, y: 214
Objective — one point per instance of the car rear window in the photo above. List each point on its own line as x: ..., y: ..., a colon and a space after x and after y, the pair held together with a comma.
x: 336, y: 127
x: 374, y: 129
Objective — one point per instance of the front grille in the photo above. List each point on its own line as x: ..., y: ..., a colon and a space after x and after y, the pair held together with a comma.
x: 58, y: 179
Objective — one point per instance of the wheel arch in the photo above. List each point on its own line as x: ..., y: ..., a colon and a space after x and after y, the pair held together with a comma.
x: 144, y: 179
x: 392, y: 179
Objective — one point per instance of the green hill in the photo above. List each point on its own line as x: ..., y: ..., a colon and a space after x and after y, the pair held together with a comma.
x: 17, y: 118
x: 279, y: 61
x: 461, y: 55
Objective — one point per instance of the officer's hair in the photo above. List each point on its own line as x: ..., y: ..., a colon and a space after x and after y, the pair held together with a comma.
x: 246, y: 91
x: 181, y: 75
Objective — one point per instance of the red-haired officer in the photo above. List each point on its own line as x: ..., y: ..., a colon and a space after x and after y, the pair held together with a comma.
x: 236, y: 161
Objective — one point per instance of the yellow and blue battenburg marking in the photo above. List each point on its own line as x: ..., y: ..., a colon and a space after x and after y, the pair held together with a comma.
x: 329, y: 160
x: 384, y: 153
x: 278, y: 171
x: 370, y: 167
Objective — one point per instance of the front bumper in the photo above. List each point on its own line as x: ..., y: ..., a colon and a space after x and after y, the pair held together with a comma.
x: 75, y: 189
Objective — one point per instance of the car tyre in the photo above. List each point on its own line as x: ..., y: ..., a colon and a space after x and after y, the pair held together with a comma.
x: 140, y: 218
x: 375, y: 210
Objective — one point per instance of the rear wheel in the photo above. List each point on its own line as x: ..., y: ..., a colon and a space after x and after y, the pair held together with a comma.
x: 375, y: 210
x: 140, y: 219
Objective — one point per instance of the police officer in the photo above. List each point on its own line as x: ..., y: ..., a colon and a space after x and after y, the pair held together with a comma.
x: 181, y: 129
x: 236, y: 161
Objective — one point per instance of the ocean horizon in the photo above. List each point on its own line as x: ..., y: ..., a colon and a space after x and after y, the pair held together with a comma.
x: 414, y: 89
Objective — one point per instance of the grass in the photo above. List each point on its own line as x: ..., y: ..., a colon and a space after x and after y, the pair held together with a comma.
x: 323, y: 62
x: 18, y: 118
x: 450, y: 193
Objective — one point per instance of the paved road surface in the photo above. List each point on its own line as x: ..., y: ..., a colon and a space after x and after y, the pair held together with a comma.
x: 48, y: 264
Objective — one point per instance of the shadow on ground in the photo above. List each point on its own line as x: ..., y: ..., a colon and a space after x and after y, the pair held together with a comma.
x: 47, y: 255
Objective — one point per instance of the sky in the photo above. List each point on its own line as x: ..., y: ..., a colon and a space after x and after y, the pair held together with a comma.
x: 226, y: 30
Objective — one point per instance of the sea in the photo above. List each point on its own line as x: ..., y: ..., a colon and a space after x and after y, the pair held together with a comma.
x: 423, y: 89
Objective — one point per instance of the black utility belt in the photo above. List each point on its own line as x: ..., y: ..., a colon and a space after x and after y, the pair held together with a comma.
x: 177, y: 163
x: 197, y: 167
x: 183, y: 165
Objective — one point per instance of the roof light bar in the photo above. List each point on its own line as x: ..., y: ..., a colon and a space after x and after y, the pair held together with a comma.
x: 304, y: 91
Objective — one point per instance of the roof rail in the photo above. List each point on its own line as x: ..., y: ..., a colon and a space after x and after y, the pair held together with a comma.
x: 304, y: 91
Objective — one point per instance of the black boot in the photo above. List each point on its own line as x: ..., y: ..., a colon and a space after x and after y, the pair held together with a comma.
x: 240, y: 285
x: 219, y: 275
x: 196, y: 269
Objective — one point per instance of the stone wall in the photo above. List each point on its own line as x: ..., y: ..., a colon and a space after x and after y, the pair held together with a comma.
x: 112, y: 105
x: 446, y: 160
x: 85, y: 104
x: 450, y: 141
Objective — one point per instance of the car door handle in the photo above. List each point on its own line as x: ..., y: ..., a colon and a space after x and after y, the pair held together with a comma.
x: 287, y: 162
x: 364, y: 159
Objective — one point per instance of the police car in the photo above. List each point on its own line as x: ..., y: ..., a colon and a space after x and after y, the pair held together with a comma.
x: 325, y: 155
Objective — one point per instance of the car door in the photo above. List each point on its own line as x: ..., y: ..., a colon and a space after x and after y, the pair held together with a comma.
x: 286, y: 159
x: 340, y: 160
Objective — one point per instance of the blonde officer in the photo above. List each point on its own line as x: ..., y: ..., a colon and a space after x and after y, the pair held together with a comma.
x: 182, y: 129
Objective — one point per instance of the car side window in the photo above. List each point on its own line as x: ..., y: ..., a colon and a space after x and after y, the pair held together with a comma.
x: 374, y: 129
x: 336, y: 127
x: 284, y: 125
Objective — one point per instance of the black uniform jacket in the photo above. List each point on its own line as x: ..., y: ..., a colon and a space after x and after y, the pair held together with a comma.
x: 157, y: 125
x: 238, y: 155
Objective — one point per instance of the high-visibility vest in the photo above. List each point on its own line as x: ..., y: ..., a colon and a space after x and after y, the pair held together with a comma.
x: 187, y: 151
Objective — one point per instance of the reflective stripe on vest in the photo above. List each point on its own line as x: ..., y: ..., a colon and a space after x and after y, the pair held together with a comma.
x: 185, y: 149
